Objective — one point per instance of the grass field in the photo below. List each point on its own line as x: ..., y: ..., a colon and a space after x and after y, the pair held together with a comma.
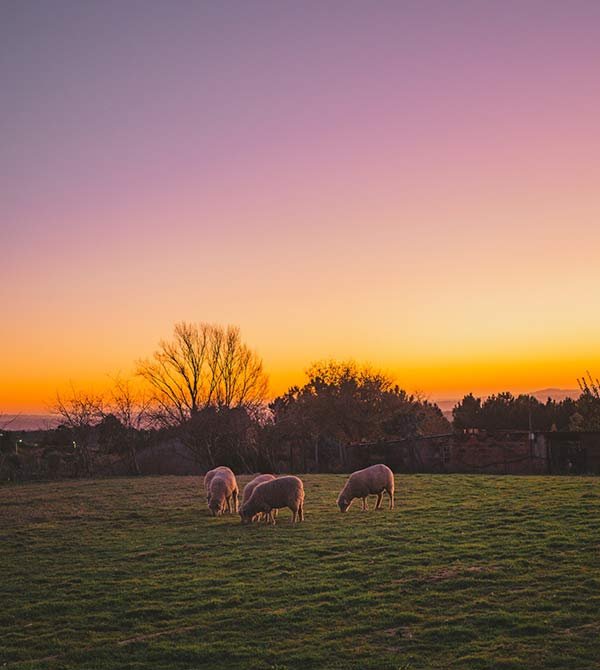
x: 466, y: 572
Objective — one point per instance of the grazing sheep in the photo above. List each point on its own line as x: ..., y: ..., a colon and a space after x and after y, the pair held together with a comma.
x: 223, y: 493
x: 208, y: 477
x: 362, y: 483
x: 281, y: 492
x: 250, y: 486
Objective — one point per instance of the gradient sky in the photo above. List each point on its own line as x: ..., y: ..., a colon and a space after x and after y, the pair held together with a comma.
x: 414, y: 184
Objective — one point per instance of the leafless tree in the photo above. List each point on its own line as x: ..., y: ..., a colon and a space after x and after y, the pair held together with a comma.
x: 203, y: 366
x: 589, y: 386
x: 80, y: 411
x: 132, y: 407
x: 130, y: 404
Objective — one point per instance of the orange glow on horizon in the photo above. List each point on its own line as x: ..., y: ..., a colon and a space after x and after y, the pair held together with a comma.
x: 437, y: 380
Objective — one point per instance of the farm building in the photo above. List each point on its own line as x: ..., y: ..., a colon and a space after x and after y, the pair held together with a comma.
x: 498, y: 452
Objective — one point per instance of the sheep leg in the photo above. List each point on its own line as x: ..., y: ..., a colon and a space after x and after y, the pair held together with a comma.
x: 294, y: 515
x: 391, y: 495
x: 234, y: 495
x: 301, y: 513
x: 365, y: 506
x: 379, y: 499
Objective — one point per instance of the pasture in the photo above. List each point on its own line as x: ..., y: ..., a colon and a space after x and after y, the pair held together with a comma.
x: 466, y: 572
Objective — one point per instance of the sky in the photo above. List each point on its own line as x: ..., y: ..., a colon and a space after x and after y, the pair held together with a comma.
x: 411, y: 184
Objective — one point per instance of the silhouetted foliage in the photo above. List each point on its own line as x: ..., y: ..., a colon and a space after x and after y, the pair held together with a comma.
x: 79, y: 412
x: 222, y: 436
x: 524, y: 412
x: 341, y: 403
x: 588, y: 405
x: 203, y: 366
x: 467, y: 413
x: 131, y: 407
x: 207, y: 392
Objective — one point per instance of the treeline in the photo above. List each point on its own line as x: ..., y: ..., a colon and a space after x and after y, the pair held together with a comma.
x: 306, y: 427
x: 505, y: 411
x: 343, y: 403
x: 205, y: 391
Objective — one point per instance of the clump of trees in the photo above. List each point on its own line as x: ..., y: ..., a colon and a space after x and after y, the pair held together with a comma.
x: 205, y: 390
x: 504, y: 411
x: 100, y: 427
x: 209, y: 388
x: 588, y: 405
x: 341, y: 403
x: 203, y: 366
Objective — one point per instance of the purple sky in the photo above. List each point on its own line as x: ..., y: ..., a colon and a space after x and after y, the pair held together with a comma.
x: 376, y: 180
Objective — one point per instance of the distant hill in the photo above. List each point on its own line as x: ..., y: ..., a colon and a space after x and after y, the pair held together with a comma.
x: 555, y: 394
x: 28, y: 421
x: 446, y: 405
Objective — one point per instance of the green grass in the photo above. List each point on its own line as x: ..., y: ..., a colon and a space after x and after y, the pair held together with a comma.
x: 466, y: 572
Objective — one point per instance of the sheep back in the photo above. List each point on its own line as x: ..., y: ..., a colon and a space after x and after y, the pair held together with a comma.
x: 372, y: 480
x: 281, y: 492
x: 208, y: 477
x: 253, y: 483
x: 222, y: 487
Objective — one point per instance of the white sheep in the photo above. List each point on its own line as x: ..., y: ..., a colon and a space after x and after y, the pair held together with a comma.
x: 281, y: 492
x: 223, y: 493
x: 372, y: 480
x: 208, y: 477
x: 249, y: 488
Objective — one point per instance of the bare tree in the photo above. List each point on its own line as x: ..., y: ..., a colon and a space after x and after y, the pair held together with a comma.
x: 80, y: 411
x: 240, y: 380
x: 175, y: 372
x: 589, y: 386
x: 203, y: 366
x: 131, y: 406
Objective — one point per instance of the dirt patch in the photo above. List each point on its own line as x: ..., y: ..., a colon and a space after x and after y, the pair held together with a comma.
x: 588, y: 627
x: 151, y: 636
x: 405, y: 632
x: 454, y: 571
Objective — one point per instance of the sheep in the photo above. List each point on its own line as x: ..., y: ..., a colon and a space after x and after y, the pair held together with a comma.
x: 372, y: 480
x: 280, y: 492
x: 208, y: 477
x: 250, y: 486
x: 223, y: 493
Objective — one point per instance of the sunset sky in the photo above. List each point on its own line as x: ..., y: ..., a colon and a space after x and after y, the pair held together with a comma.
x: 413, y: 184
